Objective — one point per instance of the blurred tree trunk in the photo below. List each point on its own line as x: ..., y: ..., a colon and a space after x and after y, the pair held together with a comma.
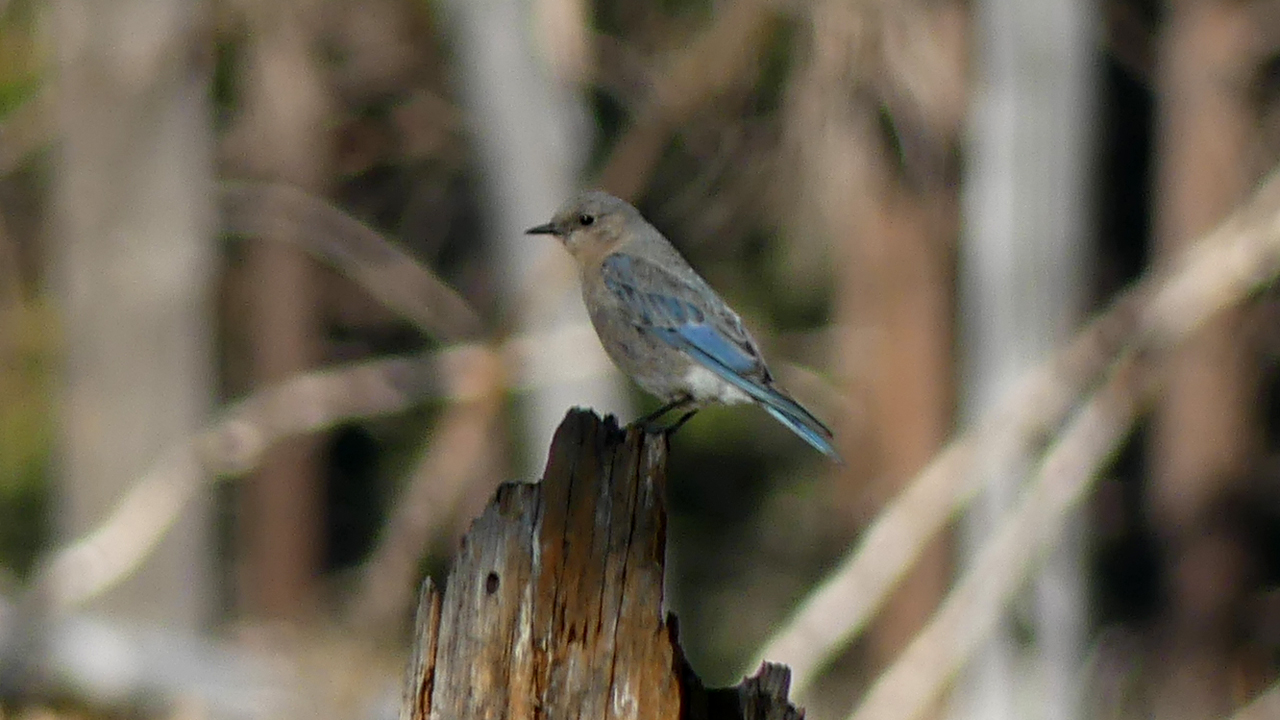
x: 554, y: 608
x: 891, y: 217
x: 905, y: 284
x: 133, y: 260
x: 283, y: 137
x: 898, y: 279
x: 517, y: 64
x: 1203, y: 433
x: 1025, y: 245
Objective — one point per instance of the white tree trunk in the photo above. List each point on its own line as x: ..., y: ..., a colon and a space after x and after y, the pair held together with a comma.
x: 533, y: 133
x: 1025, y: 243
x: 133, y: 256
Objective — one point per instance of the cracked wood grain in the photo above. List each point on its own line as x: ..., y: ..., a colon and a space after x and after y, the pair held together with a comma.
x: 553, y: 608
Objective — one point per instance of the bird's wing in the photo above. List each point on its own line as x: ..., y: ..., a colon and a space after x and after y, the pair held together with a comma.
x: 678, y: 312
x: 690, y: 317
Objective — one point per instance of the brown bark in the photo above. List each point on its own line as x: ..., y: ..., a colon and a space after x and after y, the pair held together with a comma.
x: 553, y: 607
x: 283, y: 137
x: 1204, y: 434
x: 1203, y: 429
x: 894, y: 217
x: 909, y: 299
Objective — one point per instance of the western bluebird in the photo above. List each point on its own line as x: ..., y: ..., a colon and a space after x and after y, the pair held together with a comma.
x: 662, y: 323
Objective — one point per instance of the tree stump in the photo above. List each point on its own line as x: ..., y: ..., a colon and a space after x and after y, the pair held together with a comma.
x: 553, y: 607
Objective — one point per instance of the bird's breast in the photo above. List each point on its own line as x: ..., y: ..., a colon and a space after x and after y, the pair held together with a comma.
x: 706, y: 386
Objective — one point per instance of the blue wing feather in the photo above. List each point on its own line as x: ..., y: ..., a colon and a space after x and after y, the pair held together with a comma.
x: 784, y: 409
x: 684, y: 326
x: 717, y: 347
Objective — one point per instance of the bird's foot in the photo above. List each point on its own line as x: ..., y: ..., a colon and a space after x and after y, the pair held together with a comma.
x: 671, y: 429
x: 653, y: 427
x: 647, y: 422
x: 650, y: 423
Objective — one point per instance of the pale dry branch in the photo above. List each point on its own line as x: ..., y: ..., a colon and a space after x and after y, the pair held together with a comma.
x: 306, y: 403
x: 690, y: 77
x: 457, y: 453
x: 107, y: 664
x: 840, y: 607
x: 1236, y: 259
x: 235, y: 444
x: 381, y: 267
x: 972, y: 610
x: 1264, y: 707
x: 278, y: 210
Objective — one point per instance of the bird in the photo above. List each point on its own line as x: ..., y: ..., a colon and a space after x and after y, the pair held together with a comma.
x: 662, y: 324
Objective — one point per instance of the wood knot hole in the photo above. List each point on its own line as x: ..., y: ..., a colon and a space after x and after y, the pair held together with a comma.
x: 491, y: 583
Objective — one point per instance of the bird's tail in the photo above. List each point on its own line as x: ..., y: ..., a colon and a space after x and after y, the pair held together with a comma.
x: 799, y: 421
x: 784, y: 409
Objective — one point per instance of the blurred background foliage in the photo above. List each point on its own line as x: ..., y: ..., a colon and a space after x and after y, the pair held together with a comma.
x: 756, y: 519
x: 28, y: 336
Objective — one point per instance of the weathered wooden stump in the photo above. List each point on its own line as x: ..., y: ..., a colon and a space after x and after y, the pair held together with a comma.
x: 553, y: 608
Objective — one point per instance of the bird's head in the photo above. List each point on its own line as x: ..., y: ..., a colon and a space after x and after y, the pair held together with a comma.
x: 589, y: 224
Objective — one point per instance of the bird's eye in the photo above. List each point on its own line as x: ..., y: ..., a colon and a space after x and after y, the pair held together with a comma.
x: 585, y: 219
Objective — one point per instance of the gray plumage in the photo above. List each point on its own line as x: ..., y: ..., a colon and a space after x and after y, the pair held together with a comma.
x: 661, y: 323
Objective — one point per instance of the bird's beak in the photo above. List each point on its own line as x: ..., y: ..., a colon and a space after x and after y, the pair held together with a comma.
x: 544, y: 229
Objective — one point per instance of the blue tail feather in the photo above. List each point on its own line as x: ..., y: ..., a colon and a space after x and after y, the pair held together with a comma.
x: 784, y: 409
x: 815, y: 436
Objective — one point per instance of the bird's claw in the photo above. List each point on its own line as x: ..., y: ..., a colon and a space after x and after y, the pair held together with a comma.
x: 651, y: 426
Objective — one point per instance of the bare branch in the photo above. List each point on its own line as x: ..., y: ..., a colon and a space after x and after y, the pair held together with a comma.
x: 107, y: 665
x: 381, y: 267
x: 302, y: 404
x: 838, y: 609
x: 691, y: 77
x: 458, y: 453
x: 972, y: 610
x: 1236, y: 259
x: 307, y: 403
x: 1264, y: 707
x: 235, y: 444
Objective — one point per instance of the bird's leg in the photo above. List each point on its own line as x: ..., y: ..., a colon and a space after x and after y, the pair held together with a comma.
x: 683, y: 419
x: 646, y: 422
